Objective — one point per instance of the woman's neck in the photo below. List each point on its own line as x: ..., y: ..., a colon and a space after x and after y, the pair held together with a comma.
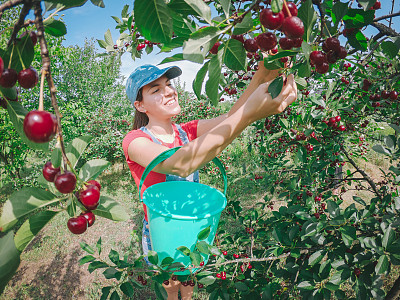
x: 161, y: 128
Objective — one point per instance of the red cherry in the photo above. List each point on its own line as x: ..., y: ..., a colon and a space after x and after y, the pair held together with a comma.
x: 90, y: 217
x: 77, y: 225
x: 317, y: 215
x: 40, y: 126
x: 286, y: 43
x: 333, y: 44
x: 377, y: 5
x: 89, y: 197
x: 292, y: 8
x: 266, y: 41
x: 293, y: 27
x: 166, y: 282
x: 202, y: 264
x: 200, y: 285
x: 318, y: 57
x: 331, y: 57
x: 385, y: 94
x: 342, y: 53
x: 357, y: 272
x: 28, y: 78
x: 8, y: 78
x: 332, y: 120
x: 297, y: 42
x: 218, y: 275
x: 322, y: 68
x: 1, y: 66
x: 271, y: 20
x: 65, y: 182
x: 33, y: 36
x: 96, y: 183
x: 49, y: 172
x: 342, y: 128
x: 214, y: 49
x: 393, y: 95
x: 225, y: 252
x: 338, y: 118
x: 238, y: 37
x: 250, y: 45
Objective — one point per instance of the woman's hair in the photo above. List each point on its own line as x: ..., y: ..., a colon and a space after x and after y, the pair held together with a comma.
x: 139, y: 119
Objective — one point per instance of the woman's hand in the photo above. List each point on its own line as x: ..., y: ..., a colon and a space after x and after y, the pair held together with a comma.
x: 261, y: 105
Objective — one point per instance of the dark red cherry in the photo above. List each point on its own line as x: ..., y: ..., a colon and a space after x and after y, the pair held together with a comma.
x: 251, y: 45
x: 286, y: 43
x: 96, y: 183
x: 90, y: 197
x: 342, y: 53
x: 49, y: 172
x: 90, y: 217
x: 65, y: 182
x: 271, y: 20
x: 1, y: 66
x: 292, y: 8
x: 8, y: 78
x: 318, y: 57
x: 214, y: 49
x: 322, y: 68
x: 333, y: 44
x: 28, y: 78
x: 293, y: 27
x: 40, y: 126
x: 77, y: 225
x: 266, y: 41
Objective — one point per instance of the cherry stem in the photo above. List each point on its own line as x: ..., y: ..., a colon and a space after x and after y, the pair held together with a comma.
x: 12, y: 52
x: 43, y: 75
x: 20, y: 59
x: 287, y: 8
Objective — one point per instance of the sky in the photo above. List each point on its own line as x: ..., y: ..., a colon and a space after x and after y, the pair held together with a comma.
x: 90, y: 21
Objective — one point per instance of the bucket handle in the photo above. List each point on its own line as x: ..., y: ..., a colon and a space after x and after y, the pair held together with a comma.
x: 167, y: 154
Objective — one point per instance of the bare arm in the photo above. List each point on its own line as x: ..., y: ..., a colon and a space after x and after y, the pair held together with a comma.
x: 200, y: 151
x: 262, y: 75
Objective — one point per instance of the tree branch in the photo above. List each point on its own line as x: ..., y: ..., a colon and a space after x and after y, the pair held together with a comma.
x: 384, y: 29
x: 10, y: 4
x: 24, y: 11
x: 387, y: 17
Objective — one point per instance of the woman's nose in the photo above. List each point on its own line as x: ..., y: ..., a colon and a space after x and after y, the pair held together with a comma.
x: 169, y: 90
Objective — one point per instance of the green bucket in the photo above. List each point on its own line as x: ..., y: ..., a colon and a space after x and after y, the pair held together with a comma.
x: 178, y: 210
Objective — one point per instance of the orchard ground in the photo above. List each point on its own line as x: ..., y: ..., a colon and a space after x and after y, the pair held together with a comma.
x: 49, y: 266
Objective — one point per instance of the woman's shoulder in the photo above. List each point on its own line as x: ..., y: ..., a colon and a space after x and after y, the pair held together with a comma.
x: 131, y: 135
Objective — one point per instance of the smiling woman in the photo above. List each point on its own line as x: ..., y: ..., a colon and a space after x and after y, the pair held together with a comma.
x: 156, y: 102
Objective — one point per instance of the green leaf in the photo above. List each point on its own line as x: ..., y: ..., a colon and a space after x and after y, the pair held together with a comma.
x: 275, y: 87
x: 9, y: 93
x: 195, y: 258
x: 276, y: 5
x: 214, y: 75
x: 23, y: 202
x: 226, y: 7
x: 102, y: 44
x: 86, y: 259
x: 316, y: 257
x: 359, y: 200
x: 96, y: 265
x: 388, y: 237
x: 98, y: 245
x: 127, y: 289
x: 17, y: 115
x: 339, y: 10
x: 153, y: 20
x: 207, y: 280
x: 112, y: 273
x: 114, y: 256
x: 201, y: 9
x: 167, y: 261
x: 56, y: 157
x: 305, y: 285
x: 241, y: 286
x: 98, y: 3
x: 181, y: 7
x: 31, y: 228
x: 203, y: 234
x: 76, y: 147
x: 68, y: 3
x: 235, y: 55
x: 25, y: 48
x: 203, y: 247
x: 93, y: 168
x: 153, y: 257
x: 244, y: 26
x: 111, y: 209
x: 184, y: 250
x: 160, y: 291
x: 348, y: 235
x: 383, y: 265
x: 366, y: 4
x: 176, y: 57
x: 55, y: 27
x: 390, y: 49
x: 10, y: 259
x: 105, y: 291
x: 357, y: 18
x: 198, y: 81
x: 200, y: 43
x: 308, y: 15
x: 395, y: 127
x: 114, y: 296
x: 381, y: 149
x: 86, y: 247
x: 108, y: 38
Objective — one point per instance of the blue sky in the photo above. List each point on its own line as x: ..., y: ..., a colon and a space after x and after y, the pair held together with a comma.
x: 90, y: 21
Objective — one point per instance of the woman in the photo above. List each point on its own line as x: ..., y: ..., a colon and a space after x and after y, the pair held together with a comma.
x: 156, y: 102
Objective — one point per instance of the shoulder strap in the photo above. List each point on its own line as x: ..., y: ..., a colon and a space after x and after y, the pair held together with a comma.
x: 145, y: 130
x: 182, y: 134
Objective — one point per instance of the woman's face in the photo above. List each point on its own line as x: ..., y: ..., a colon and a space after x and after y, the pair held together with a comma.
x: 160, y: 99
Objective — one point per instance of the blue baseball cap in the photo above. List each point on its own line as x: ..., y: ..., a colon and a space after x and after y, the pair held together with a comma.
x: 144, y: 75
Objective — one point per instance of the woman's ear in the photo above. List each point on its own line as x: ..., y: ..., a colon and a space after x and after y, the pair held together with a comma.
x: 139, y: 106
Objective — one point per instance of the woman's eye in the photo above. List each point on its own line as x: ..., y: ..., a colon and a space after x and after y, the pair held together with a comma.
x: 155, y: 91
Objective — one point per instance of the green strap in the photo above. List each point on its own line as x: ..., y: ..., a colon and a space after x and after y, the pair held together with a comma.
x: 167, y: 154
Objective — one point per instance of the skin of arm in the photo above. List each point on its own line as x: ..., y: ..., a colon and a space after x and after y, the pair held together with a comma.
x: 200, y: 151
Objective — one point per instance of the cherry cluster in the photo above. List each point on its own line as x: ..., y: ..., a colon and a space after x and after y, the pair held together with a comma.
x: 332, y: 51
x: 286, y: 21
x: 27, y: 78
x: 89, y: 197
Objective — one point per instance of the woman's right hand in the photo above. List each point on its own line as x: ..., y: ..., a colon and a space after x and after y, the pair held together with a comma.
x: 261, y: 105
